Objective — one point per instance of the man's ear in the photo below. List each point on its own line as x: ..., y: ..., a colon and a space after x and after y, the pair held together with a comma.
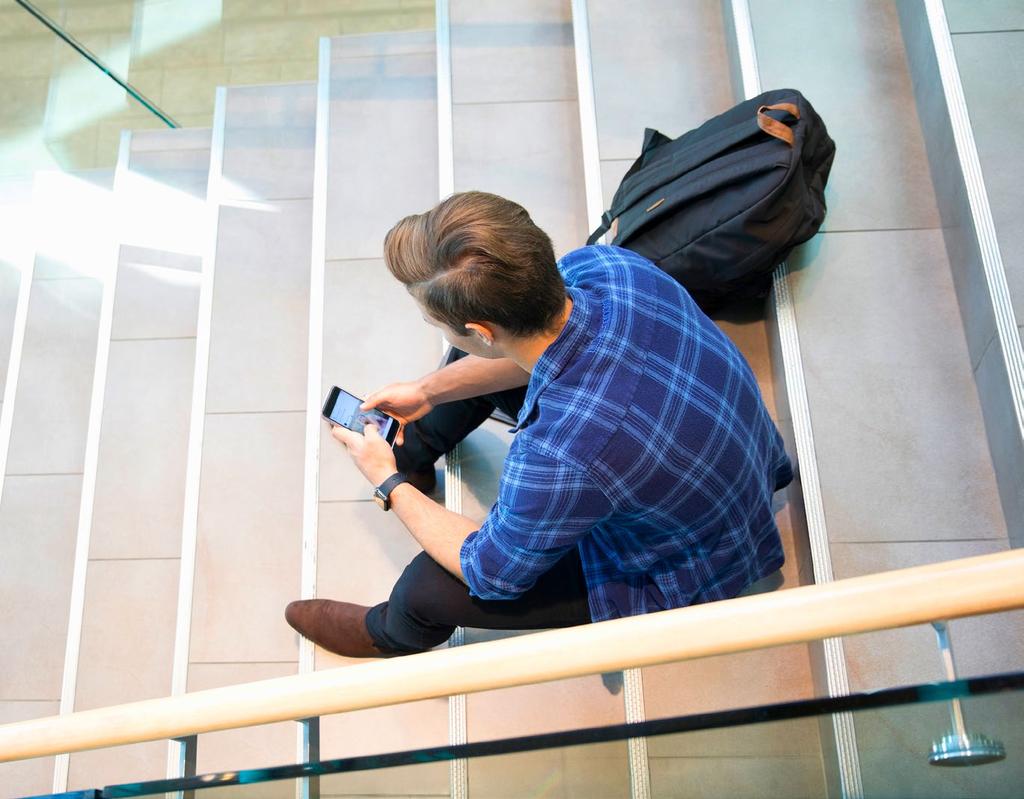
x: 483, y: 331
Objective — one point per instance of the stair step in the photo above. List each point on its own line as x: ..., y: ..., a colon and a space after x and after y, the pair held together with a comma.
x: 44, y: 446
x: 516, y: 128
x: 130, y: 602
x: 381, y: 154
x: 250, y: 476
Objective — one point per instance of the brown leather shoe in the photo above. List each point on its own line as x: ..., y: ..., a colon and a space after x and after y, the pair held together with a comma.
x: 338, y: 627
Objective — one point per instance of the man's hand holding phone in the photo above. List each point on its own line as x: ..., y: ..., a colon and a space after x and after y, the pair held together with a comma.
x: 407, y: 402
x: 371, y: 454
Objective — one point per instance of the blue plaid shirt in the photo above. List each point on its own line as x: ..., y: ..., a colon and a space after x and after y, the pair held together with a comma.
x: 644, y: 442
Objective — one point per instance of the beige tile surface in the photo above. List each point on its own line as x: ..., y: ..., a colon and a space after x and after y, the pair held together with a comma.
x: 375, y: 45
x: 852, y: 57
x: 260, y: 330
x: 192, y: 89
x: 596, y: 770
x: 534, y: 709
x: 749, y: 679
x: 362, y: 551
x: 600, y: 771
x: 180, y: 162
x: 250, y: 538
x: 249, y: 747
x: 567, y: 705
x: 994, y: 15
x: 382, y: 162
x: 503, y: 52
x: 756, y: 778
x: 677, y: 51
x: 140, y: 478
x: 163, y: 37
x: 27, y: 777
x: 38, y: 525
x: 268, y: 141
x: 982, y: 644
x: 373, y: 335
x: 28, y: 56
x: 897, y: 423
x: 381, y: 730
x: 51, y: 409
x: 529, y: 153
x: 383, y: 782
x: 126, y: 655
x: 156, y: 301
x: 282, y: 38
x: 24, y: 99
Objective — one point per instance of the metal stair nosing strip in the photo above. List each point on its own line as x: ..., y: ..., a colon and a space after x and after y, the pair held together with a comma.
x: 632, y: 679
x: 308, y: 731
x: 76, y: 611
x: 737, y: 13
x: 177, y: 756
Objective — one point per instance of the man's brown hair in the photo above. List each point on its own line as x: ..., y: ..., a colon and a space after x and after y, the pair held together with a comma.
x: 477, y: 257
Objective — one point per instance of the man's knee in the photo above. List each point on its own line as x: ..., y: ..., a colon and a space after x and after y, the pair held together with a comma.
x: 417, y: 593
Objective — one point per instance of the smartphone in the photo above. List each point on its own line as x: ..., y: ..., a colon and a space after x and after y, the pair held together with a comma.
x: 343, y: 408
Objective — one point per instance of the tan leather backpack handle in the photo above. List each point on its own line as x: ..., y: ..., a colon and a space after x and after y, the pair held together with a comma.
x: 772, y: 126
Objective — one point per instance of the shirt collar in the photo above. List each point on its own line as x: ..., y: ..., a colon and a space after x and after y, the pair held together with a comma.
x: 577, y: 333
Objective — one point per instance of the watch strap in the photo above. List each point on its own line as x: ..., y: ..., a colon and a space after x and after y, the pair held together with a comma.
x: 383, y: 491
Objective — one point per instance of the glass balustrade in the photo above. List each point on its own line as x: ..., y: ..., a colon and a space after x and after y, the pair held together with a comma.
x: 75, y: 73
x: 955, y: 738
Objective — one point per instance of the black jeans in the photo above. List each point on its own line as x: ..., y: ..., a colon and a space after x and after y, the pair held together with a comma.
x: 438, y: 432
x: 428, y: 603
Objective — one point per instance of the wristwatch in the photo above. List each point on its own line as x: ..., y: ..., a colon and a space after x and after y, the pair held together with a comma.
x: 382, y: 493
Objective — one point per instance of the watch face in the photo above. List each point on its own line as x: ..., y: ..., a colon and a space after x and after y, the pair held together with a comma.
x: 381, y: 501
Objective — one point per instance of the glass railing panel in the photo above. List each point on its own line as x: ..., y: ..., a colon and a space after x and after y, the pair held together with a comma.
x: 552, y: 707
x: 62, y: 111
x: 899, y: 757
x: 950, y: 739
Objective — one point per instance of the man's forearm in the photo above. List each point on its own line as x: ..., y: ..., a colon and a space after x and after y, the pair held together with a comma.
x: 440, y: 532
x: 472, y: 376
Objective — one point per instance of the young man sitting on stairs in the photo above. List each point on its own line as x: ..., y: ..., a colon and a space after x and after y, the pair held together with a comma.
x: 642, y: 472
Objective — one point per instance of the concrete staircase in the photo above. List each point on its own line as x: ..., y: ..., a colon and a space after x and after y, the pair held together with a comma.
x: 168, y: 485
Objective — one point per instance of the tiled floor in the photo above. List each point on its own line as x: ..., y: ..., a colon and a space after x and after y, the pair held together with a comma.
x: 52, y: 403
x: 851, y: 57
x: 902, y: 451
x: 39, y: 516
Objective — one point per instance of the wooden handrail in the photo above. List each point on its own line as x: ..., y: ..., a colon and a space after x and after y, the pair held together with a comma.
x: 968, y: 587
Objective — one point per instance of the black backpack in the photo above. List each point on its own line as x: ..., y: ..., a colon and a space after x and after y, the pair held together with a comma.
x: 721, y: 206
